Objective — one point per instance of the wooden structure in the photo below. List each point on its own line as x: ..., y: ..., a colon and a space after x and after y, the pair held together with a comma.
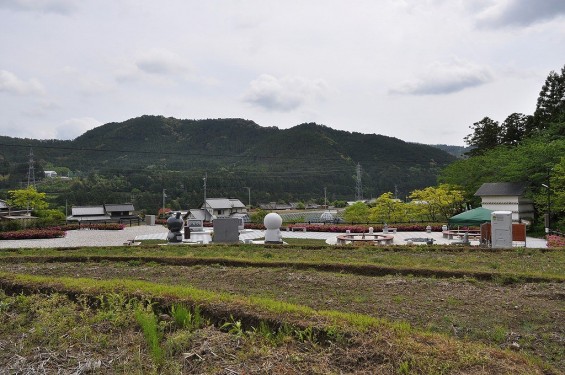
x: 518, y: 233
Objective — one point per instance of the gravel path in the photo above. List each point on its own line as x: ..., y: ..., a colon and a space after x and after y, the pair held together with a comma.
x: 86, y: 237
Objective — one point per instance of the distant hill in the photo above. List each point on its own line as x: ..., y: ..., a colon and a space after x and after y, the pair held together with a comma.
x: 278, y: 163
x: 457, y: 151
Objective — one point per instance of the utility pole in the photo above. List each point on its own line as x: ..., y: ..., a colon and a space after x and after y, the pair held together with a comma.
x: 548, y: 214
x: 326, y: 197
x: 164, y: 195
x: 248, y: 195
x: 205, y: 178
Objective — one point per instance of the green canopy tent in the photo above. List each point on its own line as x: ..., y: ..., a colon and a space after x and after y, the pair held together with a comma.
x: 474, y: 217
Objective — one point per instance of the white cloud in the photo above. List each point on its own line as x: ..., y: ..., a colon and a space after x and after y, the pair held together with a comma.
x: 283, y: 94
x: 521, y: 12
x: 445, y: 78
x: 162, y: 62
x: 158, y: 66
x: 11, y: 84
x: 72, y: 128
x: 63, y: 7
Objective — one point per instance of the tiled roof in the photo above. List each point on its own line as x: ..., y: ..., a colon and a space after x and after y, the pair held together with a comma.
x: 88, y: 210
x: 220, y: 203
x: 502, y: 188
x: 119, y: 207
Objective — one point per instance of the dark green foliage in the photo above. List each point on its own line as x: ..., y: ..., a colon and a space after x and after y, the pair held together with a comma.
x: 138, y: 158
x: 522, y: 148
x: 487, y: 134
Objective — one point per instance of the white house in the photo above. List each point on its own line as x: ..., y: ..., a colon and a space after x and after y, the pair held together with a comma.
x: 50, y: 174
x: 214, y: 208
x: 507, y: 196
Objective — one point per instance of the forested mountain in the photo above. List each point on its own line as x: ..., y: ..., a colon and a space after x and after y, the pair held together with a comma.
x: 151, y: 153
x: 457, y: 151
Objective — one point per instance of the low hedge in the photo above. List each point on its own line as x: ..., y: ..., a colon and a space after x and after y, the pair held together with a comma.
x: 32, y: 234
x: 109, y: 226
x: 54, y: 232
x: 365, y: 228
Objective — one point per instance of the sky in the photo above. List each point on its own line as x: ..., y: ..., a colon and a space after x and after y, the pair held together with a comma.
x: 418, y: 70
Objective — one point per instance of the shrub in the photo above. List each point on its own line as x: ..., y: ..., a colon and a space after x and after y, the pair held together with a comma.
x: 365, y: 228
x: 555, y: 241
x: 29, y: 234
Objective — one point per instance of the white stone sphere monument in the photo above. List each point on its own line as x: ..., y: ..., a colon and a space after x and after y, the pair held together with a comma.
x: 273, y: 222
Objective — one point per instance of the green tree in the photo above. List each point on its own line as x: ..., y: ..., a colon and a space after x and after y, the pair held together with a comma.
x: 486, y: 135
x: 514, y: 128
x: 387, y: 209
x: 556, y: 195
x: 28, y: 198
x: 550, y: 107
x: 437, y: 204
x: 258, y: 216
x: 358, y: 212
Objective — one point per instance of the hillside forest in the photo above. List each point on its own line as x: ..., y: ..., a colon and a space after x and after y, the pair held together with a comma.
x: 150, y: 158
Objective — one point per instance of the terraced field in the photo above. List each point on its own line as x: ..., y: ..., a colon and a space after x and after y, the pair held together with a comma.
x: 297, y: 309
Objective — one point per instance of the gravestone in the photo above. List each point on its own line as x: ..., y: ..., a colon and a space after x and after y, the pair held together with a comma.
x: 226, y: 230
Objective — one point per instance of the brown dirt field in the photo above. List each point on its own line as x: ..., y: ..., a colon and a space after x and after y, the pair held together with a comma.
x: 529, y: 314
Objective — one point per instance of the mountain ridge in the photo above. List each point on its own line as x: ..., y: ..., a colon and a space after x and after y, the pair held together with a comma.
x: 241, y: 152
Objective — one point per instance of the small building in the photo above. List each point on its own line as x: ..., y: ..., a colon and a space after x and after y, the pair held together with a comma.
x: 88, y: 214
x: 104, y: 213
x: 214, y: 208
x: 120, y: 211
x: 507, y: 196
x: 50, y: 174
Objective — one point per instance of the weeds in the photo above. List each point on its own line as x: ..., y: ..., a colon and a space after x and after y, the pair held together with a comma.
x: 150, y: 327
x: 186, y: 319
x: 234, y: 327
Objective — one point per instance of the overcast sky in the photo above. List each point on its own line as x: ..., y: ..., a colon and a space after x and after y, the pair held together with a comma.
x: 418, y: 70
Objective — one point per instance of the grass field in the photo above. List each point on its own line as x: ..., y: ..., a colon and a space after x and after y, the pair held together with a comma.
x: 302, y: 308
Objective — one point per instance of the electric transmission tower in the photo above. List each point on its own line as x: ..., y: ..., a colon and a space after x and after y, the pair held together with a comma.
x: 358, y: 184
x: 31, y: 170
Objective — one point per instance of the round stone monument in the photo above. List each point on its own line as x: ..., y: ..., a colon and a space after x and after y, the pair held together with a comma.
x: 273, y: 222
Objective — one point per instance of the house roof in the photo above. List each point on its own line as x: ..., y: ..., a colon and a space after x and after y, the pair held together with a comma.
x: 502, y: 188
x: 119, y: 207
x: 88, y: 210
x: 220, y: 203
x: 198, y: 214
x: 3, y: 204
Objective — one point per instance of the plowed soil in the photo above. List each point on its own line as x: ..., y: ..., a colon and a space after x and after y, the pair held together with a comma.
x: 528, y: 317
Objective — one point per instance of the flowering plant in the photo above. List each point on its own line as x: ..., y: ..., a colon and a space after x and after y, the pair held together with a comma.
x: 555, y: 241
x: 29, y: 234
x: 365, y: 228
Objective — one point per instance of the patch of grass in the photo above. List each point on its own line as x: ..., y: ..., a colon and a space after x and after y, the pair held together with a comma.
x: 187, y: 319
x: 150, y: 327
x: 399, y: 299
x: 498, y: 334
x: 531, y: 263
